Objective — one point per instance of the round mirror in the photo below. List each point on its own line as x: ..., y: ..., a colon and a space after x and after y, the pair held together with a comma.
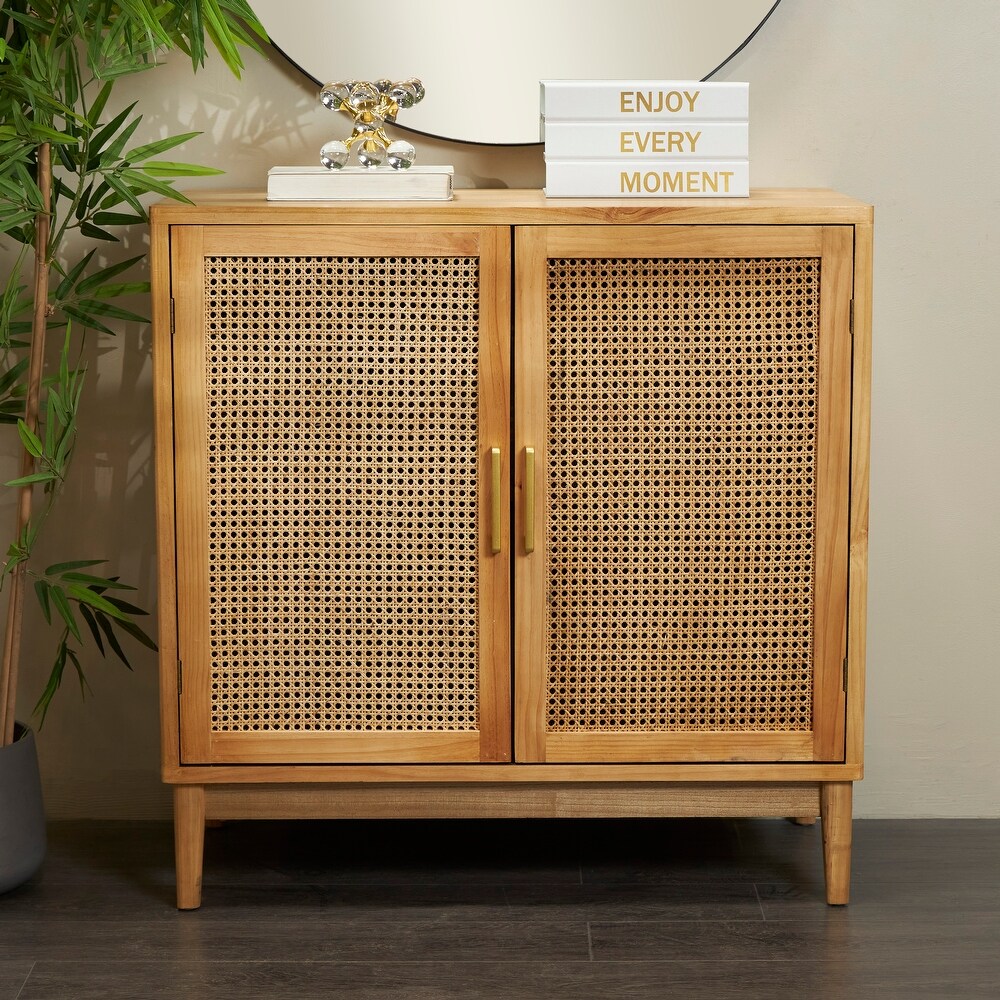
x: 481, y: 65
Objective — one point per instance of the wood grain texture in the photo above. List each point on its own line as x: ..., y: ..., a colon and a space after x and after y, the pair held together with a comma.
x: 189, y: 844
x: 190, y: 447
x: 704, y: 747
x: 765, y: 206
x: 292, y: 748
x: 835, y: 809
x: 494, y: 672
x: 497, y: 801
x: 163, y: 409
x: 684, y: 241
x: 665, y: 901
x: 530, y: 325
x: 538, y: 420
x: 514, y: 773
x: 860, y: 475
x: 312, y: 728
x: 481, y: 772
x: 832, y: 494
x: 377, y: 240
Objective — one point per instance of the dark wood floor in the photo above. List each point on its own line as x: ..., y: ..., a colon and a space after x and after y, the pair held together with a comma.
x: 579, y: 909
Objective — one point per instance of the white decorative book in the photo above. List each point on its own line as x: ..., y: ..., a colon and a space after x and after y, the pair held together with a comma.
x: 634, y: 100
x: 426, y: 183
x: 686, y: 141
x: 647, y: 178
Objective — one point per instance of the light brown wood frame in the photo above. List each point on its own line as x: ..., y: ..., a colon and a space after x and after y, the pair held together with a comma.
x: 199, y: 744
x: 242, y: 788
x: 833, y: 245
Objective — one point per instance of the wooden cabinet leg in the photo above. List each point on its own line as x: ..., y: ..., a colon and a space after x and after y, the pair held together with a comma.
x: 835, y: 808
x: 189, y: 843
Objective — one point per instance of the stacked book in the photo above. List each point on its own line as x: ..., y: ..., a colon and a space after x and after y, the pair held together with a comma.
x: 359, y: 183
x: 646, y: 139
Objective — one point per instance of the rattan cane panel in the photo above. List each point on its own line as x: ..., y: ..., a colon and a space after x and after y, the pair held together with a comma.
x: 681, y: 481
x: 342, y: 492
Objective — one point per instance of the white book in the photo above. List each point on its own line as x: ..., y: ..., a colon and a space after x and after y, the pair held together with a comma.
x: 647, y: 178
x: 658, y: 140
x: 633, y: 100
x: 428, y: 183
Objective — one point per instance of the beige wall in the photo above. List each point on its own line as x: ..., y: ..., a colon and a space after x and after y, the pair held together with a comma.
x: 889, y: 101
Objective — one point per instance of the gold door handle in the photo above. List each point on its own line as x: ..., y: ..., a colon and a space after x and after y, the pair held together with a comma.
x: 495, y: 500
x: 529, y: 500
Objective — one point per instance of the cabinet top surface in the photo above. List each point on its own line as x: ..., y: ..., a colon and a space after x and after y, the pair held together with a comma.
x: 505, y: 207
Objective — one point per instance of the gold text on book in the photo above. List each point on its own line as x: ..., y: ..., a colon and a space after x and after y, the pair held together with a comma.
x: 676, y: 181
x: 657, y: 101
x: 659, y: 142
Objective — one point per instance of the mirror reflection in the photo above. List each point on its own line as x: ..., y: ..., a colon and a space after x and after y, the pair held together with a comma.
x: 481, y: 64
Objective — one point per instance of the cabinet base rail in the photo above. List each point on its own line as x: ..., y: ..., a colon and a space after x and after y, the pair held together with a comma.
x: 194, y: 805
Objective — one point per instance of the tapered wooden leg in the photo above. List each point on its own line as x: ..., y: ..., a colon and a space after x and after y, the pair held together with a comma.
x: 189, y: 843
x: 835, y: 808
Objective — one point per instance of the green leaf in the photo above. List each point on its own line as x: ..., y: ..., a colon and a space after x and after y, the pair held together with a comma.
x: 88, y: 617
x: 158, y: 147
x: 98, y: 192
x: 55, y: 679
x: 57, y: 138
x: 89, y: 229
x: 113, y: 152
x: 30, y: 440
x: 245, y: 13
x: 88, y: 596
x: 106, y: 628
x: 73, y: 275
x: 68, y: 160
x: 65, y: 448
x: 14, y: 192
x: 123, y: 193
x: 10, y: 376
x: 117, y: 219
x: 125, y: 607
x: 128, y: 288
x: 42, y: 590
x: 35, y: 477
x: 84, y: 686
x: 197, y: 35
x: 38, y: 26
x: 101, y: 277
x: 101, y: 137
x: 88, y: 321
x: 221, y: 34
x: 12, y: 220
x: 144, y: 182
x: 62, y: 605
x: 57, y: 568
x: 170, y: 168
x: 95, y: 581
x: 95, y: 307
x: 97, y: 108
x: 137, y: 633
x: 58, y: 414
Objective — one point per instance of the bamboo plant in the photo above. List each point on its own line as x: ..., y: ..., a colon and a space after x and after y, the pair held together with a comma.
x: 71, y: 179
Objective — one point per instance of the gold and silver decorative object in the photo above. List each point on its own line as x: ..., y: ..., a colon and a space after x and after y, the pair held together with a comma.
x: 371, y: 105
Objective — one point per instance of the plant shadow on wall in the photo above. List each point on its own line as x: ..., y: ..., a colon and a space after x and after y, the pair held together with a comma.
x: 71, y: 174
x: 242, y: 129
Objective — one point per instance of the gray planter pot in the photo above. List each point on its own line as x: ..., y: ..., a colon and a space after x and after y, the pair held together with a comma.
x: 22, y: 818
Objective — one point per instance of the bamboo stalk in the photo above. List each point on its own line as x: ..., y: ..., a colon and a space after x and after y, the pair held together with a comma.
x: 36, y: 365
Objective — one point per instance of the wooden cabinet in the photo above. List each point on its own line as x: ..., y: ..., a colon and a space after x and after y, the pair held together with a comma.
x: 512, y: 507
x: 340, y: 393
